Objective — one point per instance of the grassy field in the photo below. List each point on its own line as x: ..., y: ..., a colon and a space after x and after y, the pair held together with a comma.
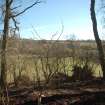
x: 29, y: 58
x: 33, y: 66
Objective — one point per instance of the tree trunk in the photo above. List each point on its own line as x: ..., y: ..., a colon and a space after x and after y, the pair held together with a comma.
x: 96, y: 35
x: 3, y: 48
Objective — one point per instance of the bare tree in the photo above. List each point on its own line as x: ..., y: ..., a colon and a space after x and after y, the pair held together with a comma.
x: 9, y: 14
x: 96, y: 35
x: 49, y: 64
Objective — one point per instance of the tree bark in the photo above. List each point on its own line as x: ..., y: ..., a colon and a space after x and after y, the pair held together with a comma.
x: 96, y: 35
x: 3, y: 47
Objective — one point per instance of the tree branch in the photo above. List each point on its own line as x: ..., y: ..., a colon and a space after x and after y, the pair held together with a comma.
x: 10, y: 2
x: 16, y: 7
x: 15, y: 23
x: 35, y: 3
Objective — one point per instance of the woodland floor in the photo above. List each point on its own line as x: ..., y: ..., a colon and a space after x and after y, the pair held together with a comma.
x: 75, y: 93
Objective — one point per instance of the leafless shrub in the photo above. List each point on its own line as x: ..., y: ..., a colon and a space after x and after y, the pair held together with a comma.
x: 82, y: 73
x: 24, y: 80
x: 58, y: 79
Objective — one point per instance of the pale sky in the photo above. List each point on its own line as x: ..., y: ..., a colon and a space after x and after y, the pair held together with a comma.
x: 47, y: 19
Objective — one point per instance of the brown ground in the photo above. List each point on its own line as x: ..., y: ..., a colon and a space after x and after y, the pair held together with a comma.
x: 78, y: 93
